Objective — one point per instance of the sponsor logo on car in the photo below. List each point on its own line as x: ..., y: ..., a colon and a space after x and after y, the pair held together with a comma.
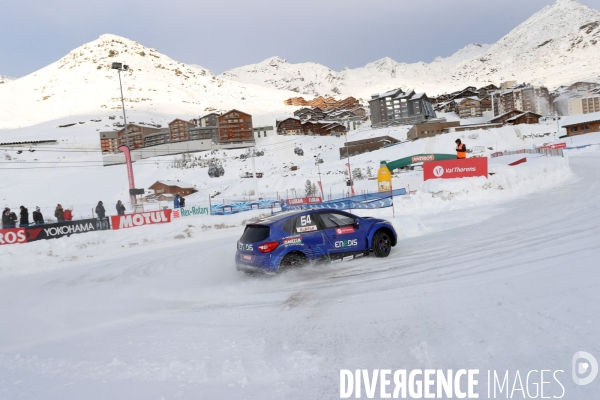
x: 245, y: 247
x: 346, y: 243
x: 247, y: 257
x: 292, y: 240
x: 307, y: 228
x: 345, y: 230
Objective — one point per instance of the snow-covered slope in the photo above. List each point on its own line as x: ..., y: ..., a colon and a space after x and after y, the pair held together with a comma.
x: 82, y: 82
x: 5, y: 79
x: 557, y: 45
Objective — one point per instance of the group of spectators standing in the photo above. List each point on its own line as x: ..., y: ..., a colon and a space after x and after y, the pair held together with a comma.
x: 11, y: 220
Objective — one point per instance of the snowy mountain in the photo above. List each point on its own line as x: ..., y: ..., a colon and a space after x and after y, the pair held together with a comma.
x: 83, y: 82
x: 557, y: 45
x: 5, y: 79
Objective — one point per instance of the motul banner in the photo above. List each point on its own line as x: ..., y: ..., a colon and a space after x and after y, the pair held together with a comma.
x: 303, y: 200
x: 66, y: 228
x: 459, y: 168
x: 12, y: 236
x: 140, y: 219
x: 423, y: 158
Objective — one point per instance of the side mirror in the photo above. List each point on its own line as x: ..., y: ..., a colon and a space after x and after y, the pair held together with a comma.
x: 356, y: 224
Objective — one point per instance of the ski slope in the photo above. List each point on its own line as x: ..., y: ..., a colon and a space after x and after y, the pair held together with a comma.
x: 500, y: 285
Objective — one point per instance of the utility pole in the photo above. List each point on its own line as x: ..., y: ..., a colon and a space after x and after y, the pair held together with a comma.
x: 132, y: 199
x: 254, y: 175
x: 348, y: 156
x: 320, y: 180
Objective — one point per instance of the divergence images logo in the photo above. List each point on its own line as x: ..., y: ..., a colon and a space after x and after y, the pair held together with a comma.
x: 438, y: 171
x: 581, y: 367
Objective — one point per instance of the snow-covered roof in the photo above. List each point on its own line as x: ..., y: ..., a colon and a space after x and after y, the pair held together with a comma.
x: 579, y: 119
x: 181, y: 185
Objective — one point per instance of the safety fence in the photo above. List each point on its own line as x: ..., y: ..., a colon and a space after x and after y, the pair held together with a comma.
x: 539, y: 150
x: 62, y: 229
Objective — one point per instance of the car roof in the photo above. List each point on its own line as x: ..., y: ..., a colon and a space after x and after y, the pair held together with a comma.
x: 291, y: 214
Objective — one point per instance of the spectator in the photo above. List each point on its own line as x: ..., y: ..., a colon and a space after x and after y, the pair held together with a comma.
x: 120, y: 208
x: 9, y: 219
x: 182, y: 202
x: 69, y: 214
x: 59, y: 213
x: 100, y: 211
x: 176, y: 201
x: 461, y: 149
x: 24, y: 221
x: 38, y: 218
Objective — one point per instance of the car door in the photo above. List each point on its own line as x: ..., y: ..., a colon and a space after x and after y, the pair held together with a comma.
x: 343, y: 237
x: 308, y: 229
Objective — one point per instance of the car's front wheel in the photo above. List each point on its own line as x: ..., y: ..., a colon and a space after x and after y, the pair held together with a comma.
x: 382, y: 244
x: 293, y: 260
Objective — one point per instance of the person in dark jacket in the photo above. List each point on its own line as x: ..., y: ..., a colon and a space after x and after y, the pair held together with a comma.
x: 9, y: 219
x: 38, y: 218
x: 100, y: 211
x: 120, y: 208
x: 24, y: 221
x: 59, y: 213
x: 181, y: 202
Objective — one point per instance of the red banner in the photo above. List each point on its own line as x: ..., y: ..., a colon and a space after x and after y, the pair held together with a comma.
x: 463, y: 168
x: 13, y: 236
x: 140, y: 219
x: 555, y: 146
x: 304, y: 200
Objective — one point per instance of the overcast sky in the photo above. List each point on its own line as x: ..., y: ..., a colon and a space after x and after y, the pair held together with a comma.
x: 221, y: 35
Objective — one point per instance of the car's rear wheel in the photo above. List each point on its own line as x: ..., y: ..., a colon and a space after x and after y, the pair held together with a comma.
x: 382, y: 244
x: 293, y: 260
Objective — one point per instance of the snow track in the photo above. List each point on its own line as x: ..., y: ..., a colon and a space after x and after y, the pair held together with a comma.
x: 510, y: 286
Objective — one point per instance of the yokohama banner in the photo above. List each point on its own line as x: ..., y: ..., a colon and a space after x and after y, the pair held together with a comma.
x: 12, y: 236
x: 66, y: 228
x: 303, y: 200
x: 449, y: 169
x: 140, y: 219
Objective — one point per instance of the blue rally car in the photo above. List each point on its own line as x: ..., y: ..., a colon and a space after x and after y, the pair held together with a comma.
x: 294, y: 238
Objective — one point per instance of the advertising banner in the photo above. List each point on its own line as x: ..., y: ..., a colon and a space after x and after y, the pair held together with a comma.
x: 140, y: 219
x: 12, y: 236
x: 449, y: 169
x: 193, y: 211
x: 234, y: 208
x: 65, y: 228
x: 554, y: 146
x: 303, y: 200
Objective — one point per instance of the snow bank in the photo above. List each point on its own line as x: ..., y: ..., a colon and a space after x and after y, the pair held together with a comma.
x: 507, y: 182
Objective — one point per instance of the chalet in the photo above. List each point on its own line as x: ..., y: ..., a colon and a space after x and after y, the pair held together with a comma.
x: 289, y: 126
x: 521, y: 97
x: 430, y: 128
x: 485, y: 91
x: 517, y: 117
x: 468, y: 107
x: 359, y: 111
x: 469, y: 91
x: 399, y: 108
x: 587, y: 86
x: 366, y: 145
x: 136, y: 135
x: 235, y: 126
x: 486, y: 104
x: 179, y: 130
x: 582, y: 124
x: 173, y: 187
x: 295, y: 101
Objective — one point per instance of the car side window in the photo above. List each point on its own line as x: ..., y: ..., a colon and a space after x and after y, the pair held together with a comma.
x: 288, y: 226
x: 306, y: 223
x: 335, y: 220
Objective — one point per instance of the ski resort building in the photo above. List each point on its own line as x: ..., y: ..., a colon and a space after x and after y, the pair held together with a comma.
x: 136, y: 134
x: 294, y: 126
x: 366, y: 145
x: 468, y: 107
x: 173, y: 187
x: 179, y: 130
x: 582, y: 124
x: 430, y: 128
x: 517, y: 117
x: 399, y: 108
x: 531, y: 98
x: 109, y: 142
x: 263, y: 132
x: 235, y: 126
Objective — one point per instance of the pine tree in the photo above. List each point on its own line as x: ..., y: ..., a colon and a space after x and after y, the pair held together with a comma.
x: 308, y: 187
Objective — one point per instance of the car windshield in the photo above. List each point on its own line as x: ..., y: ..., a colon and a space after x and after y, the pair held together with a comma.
x: 255, y: 233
